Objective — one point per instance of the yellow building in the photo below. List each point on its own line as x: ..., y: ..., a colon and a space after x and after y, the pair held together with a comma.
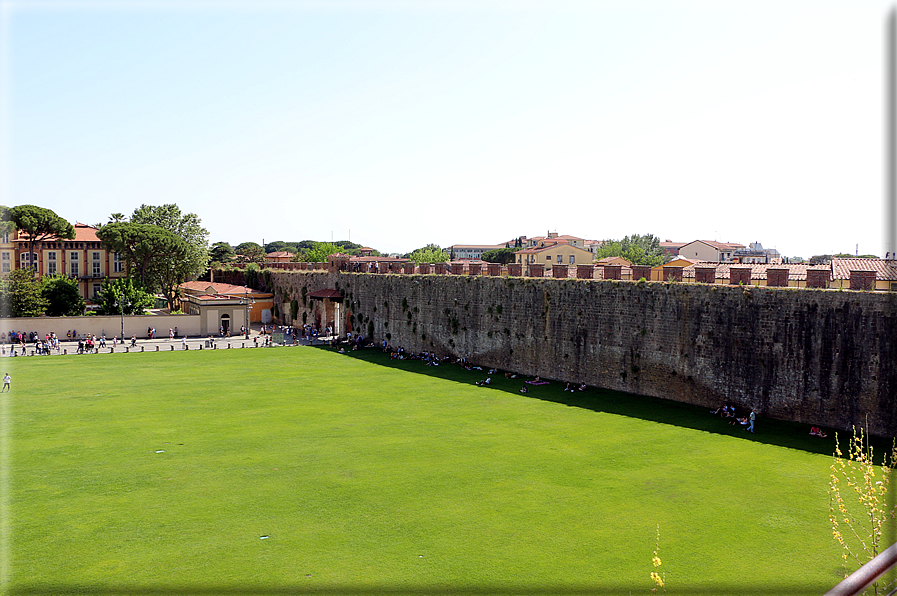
x: 552, y: 252
x: 84, y: 258
x: 657, y: 272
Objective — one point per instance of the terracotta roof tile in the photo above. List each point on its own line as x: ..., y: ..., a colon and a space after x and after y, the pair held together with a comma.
x: 884, y: 270
x: 796, y: 271
x: 83, y: 233
x: 216, y: 288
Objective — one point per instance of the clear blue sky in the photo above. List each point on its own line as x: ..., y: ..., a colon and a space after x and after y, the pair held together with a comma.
x: 404, y: 123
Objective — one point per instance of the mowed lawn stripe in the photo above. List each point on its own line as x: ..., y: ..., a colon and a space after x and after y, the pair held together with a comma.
x: 363, y: 474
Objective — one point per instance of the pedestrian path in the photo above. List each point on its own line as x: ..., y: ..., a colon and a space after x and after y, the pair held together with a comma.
x: 69, y: 347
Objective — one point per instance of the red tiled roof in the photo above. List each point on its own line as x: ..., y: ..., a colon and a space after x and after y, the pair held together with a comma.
x: 692, y: 261
x: 608, y: 261
x: 549, y: 244
x: 377, y: 259
x: 219, y: 289
x: 720, y: 245
x: 796, y: 271
x: 884, y: 270
x: 83, y: 233
x: 280, y: 254
x: 214, y: 297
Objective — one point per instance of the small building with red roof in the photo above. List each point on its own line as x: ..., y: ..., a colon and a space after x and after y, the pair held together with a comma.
x: 214, y: 299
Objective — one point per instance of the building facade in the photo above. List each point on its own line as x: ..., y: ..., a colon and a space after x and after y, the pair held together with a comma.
x: 83, y: 258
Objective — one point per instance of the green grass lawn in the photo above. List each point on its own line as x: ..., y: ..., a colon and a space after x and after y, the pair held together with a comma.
x: 161, y: 472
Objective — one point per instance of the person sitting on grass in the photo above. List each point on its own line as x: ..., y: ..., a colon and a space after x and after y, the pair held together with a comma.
x: 524, y: 389
x: 582, y: 387
x: 488, y: 381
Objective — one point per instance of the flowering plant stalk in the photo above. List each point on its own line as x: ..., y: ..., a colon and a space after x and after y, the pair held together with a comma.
x: 858, y: 493
x: 657, y: 578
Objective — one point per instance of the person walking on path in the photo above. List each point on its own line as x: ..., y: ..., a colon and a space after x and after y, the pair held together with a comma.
x: 6, y: 381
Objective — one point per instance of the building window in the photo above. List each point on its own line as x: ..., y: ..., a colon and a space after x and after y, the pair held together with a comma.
x: 51, y: 263
x: 73, y: 263
x: 560, y: 259
x: 5, y: 261
x: 117, y: 265
x: 96, y: 289
x: 24, y: 262
x: 96, y: 264
x: 548, y: 257
x: 5, y: 237
x: 572, y: 259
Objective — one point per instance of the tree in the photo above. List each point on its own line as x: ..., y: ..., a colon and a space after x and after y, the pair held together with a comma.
x: 22, y: 294
x: 500, y: 255
x: 280, y: 245
x: 188, y: 227
x: 7, y: 226
x: 157, y: 258
x: 139, y: 245
x: 250, y: 252
x: 123, y: 296
x: 637, y: 249
x: 319, y: 252
x: 62, y: 296
x: 430, y: 253
x: 38, y: 224
x: 221, y: 252
x: 244, y: 246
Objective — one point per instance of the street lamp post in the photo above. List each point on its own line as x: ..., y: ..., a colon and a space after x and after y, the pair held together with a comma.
x: 121, y: 311
x: 247, y: 304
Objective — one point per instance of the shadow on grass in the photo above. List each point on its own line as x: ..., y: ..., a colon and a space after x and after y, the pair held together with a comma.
x: 781, y: 433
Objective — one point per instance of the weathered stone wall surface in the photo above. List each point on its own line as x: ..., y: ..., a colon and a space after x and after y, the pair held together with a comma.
x: 818, y: 356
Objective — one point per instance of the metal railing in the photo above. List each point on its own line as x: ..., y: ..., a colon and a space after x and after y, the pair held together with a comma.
x: 866, y: 575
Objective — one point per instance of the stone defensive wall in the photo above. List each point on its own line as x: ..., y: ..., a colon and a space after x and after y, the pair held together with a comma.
x: 821, y: 357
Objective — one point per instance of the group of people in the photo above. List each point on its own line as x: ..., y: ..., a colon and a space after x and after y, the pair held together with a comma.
x: 573, y: 387
x: 728, y: 411
x: 399, y: 353
x: 42, y: 345
x: 431, y: 359
x: 21, y: 338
